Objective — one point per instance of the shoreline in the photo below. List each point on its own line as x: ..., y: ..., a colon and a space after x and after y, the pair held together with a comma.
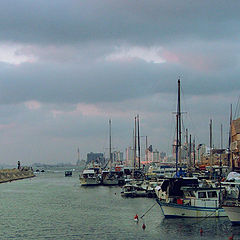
x: 9, y: 175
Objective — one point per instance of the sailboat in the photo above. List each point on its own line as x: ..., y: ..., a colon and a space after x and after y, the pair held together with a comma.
x: 111, y: 177
x: 137, y: 186
x: 185, y: 197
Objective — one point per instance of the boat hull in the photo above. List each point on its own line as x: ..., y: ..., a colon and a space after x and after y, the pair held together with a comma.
x: 89, y: 181
x: 233, y: 213
x: 173, y: 210
x: 134, y: 194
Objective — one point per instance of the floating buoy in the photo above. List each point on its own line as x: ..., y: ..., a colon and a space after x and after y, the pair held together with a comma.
x: 231, y: 238
x: 201, y: 231
x: 136, y: 218
x: 143, y: 226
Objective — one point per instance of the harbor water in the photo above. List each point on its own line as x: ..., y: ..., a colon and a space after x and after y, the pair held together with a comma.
x: 51, y: 206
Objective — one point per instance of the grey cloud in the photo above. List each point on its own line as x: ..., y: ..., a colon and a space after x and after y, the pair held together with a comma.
x: 132, y: 21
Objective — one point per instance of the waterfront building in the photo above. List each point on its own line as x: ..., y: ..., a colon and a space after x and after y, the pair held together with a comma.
x: 235, y: 144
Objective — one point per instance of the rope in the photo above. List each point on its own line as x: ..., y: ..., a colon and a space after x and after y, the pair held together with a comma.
x: 148, y: 210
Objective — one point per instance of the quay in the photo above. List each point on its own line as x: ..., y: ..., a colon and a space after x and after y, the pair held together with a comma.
x: 8, y: 175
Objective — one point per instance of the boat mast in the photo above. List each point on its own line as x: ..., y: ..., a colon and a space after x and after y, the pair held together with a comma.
x: 179, y: 122
x: 221, y: 146
x: 139, y: 150
x: 211, y: 160
x: 194, y: 154
x: 135, y: 146
x: 146, y: 150
x: 110, y: 144
x: 190, y: 151
x: 230, y: 155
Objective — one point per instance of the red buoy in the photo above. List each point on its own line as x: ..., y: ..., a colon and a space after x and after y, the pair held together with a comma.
x: 231, y: 238
x: 201, y: 231
x: 143, y: 226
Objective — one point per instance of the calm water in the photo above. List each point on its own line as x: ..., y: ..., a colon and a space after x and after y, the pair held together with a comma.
x: 52, y: 206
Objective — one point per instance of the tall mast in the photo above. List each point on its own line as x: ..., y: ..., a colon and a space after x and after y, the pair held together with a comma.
x: 146, y: 150
x: 221, y: 146
x: 135, y: 145
x: 187, y: 146
x: 110, y: 144
x: 194, y: 153
x: 190, y: 150
x: 230, y: 155
x: 179, y: 122
x: 211, y: 160
x: 139, y: 150
x: 177, y: 147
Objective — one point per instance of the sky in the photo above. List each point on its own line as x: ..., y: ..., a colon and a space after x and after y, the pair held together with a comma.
x: 68, y: 66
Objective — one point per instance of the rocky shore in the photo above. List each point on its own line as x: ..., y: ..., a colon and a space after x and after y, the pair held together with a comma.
x: 8, y: 175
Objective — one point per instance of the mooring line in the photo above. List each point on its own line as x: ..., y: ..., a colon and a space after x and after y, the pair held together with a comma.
x: 148, y: 210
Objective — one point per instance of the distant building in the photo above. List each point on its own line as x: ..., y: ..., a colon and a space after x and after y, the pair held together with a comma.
x: 162, y: 155
x: 129, y: 156
x: 156, y: 156
x: 117, y: 157
x: 95, y: 157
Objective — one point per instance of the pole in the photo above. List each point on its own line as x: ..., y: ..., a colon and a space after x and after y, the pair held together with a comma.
x: 146, y: 150
x: 139, y: 150
x: 110, y: 144
x: 194, y: 153
x: 221, y: 146
x: 179, y: 122
x: 135, y: 146
x: 211, y: 160
x: 190, y: 151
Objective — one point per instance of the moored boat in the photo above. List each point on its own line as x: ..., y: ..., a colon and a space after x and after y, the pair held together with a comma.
x: 90, y: 177
x: 232, y: 210
x: 68, y: 173
x: 231, y: 204
x: 183, y: 197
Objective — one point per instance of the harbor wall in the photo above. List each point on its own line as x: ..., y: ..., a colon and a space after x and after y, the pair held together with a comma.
x: 8, y: 175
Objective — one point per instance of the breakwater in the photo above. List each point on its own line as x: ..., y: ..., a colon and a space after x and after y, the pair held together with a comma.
x: 8, y: 175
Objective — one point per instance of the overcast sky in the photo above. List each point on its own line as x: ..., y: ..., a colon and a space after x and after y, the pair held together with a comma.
x: 67, y: 66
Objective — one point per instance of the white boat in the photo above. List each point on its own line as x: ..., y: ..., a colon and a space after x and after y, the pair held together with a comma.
x: 90, y: 177
x: 231, y: 203
x: 232, y: 210
x: 133, y: 190
x: 136, y: 188
x: 111, y: 178
x: 183, y: 197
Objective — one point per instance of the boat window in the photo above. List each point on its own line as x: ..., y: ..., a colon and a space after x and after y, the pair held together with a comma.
x: 212, y: 194
x: 202, y: 195
x: 190, y: 194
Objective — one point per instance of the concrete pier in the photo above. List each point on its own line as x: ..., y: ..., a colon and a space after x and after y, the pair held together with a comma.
x: 8, y: 175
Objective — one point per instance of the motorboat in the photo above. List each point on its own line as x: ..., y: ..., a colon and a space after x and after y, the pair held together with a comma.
x: 90, y: 177
x: 68, y: 173
x: 185, y: 197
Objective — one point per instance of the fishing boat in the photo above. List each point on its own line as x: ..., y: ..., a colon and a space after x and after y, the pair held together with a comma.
x: 113, y: 177
x: 91, y: 176
x: 184, y: 197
